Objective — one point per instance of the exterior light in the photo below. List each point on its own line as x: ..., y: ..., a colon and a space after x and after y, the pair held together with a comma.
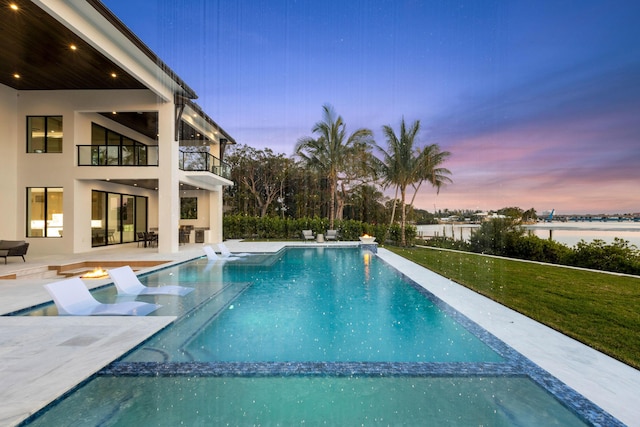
x: 13, y: 6
x: 16, y: 76
x: 114, y: 75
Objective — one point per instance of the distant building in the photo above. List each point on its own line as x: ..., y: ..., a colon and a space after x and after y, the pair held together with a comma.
x: 101, y: 141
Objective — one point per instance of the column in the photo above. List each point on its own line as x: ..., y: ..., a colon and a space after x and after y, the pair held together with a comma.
x: 168, y: 194
x: 215, y: 215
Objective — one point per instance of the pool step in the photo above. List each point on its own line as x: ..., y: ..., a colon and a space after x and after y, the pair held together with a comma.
x: 47, y: 272
x: 39, y: 272
x: 73, y: 269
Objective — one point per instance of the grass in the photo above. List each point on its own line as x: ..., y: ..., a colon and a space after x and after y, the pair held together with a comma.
x: 601, y: 310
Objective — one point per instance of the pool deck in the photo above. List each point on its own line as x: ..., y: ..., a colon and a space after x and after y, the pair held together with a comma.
x: 41, y: 358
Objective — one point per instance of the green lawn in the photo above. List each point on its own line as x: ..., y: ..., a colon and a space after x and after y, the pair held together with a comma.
x: 598, y: 309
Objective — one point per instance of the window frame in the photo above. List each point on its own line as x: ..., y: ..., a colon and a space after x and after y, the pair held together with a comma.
x: 47, y: 223
x: 47, y: 146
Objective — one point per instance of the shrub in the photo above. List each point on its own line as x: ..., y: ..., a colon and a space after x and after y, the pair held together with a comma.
x: 349, y: 229
x: 274, y: 227
x: 533, y: 248
x: 618, y: 256
x: 496, y: 237
x: 448, y: 243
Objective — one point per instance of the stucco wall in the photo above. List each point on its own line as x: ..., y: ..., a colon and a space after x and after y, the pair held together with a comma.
x: 78, y: 109
x: 8, y: 163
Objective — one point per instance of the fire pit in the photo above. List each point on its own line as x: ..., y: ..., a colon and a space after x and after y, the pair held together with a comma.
x: 97, y: 273
x: 367, y: 239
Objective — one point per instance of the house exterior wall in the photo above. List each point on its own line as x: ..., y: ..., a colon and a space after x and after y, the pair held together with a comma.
x: 20, y: 170
x: 79, y: 109
x: 8, y: 163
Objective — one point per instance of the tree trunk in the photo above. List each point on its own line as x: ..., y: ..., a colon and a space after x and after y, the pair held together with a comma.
x: 403, y: 240
x: 332, y: 202
x: 393, y: 214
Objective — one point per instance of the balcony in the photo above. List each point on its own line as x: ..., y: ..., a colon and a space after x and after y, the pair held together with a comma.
x: 117, y: 155
x: 203, y: 161
x: 199, y: 165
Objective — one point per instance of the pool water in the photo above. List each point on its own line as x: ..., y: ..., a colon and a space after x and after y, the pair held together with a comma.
x: 313, y: 401
x: 338, y: 305
x: 316, y: 336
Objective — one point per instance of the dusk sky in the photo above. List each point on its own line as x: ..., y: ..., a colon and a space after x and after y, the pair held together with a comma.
x: 538, y: 101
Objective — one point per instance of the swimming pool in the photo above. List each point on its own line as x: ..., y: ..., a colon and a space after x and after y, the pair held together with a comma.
x: 320, y: 336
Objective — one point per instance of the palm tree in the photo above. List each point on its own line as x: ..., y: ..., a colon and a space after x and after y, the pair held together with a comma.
x: 404, y: 166
x: 330, y: 151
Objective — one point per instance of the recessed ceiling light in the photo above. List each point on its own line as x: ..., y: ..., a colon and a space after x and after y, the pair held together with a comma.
x: 114, y: 113
x: 73, y: 47
x: 13, y: 6
x: 16, y: 76
x: 114, y: 75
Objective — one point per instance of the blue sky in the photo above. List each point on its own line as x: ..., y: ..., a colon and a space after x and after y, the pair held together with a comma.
x: 538, y: 101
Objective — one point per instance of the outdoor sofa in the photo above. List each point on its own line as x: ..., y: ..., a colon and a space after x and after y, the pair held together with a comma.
x: 13, y: 248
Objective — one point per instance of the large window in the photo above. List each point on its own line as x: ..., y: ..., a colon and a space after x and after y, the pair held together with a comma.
x: 116, y: 218
x: 44, y: 134
x: 109, y: 148
x: 44, y: 212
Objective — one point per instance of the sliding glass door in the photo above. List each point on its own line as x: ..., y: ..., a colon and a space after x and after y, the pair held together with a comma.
x: 115, y: 217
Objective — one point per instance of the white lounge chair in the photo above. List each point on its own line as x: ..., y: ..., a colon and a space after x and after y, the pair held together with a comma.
x: 226, y: 253
x: 213, y: 256
x: 331, y: 235
x: 72, y: 297
x: 128, y: 283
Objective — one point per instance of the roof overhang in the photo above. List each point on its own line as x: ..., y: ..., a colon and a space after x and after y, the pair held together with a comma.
x: 82, y: 45
x: 194, y: 117
x: 55, y: 45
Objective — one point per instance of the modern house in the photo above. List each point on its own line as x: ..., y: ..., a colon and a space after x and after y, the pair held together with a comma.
x: 101, y: 140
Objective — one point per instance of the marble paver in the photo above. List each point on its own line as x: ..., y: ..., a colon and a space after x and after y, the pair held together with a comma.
x: 44, y: 357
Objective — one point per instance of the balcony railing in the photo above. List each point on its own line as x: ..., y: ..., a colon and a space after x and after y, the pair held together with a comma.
x: 147, y: 155
x: 205, y: 162
x: 117, y: 155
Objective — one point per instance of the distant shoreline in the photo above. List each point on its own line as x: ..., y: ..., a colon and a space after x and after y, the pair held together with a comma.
x: 568, y: 233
